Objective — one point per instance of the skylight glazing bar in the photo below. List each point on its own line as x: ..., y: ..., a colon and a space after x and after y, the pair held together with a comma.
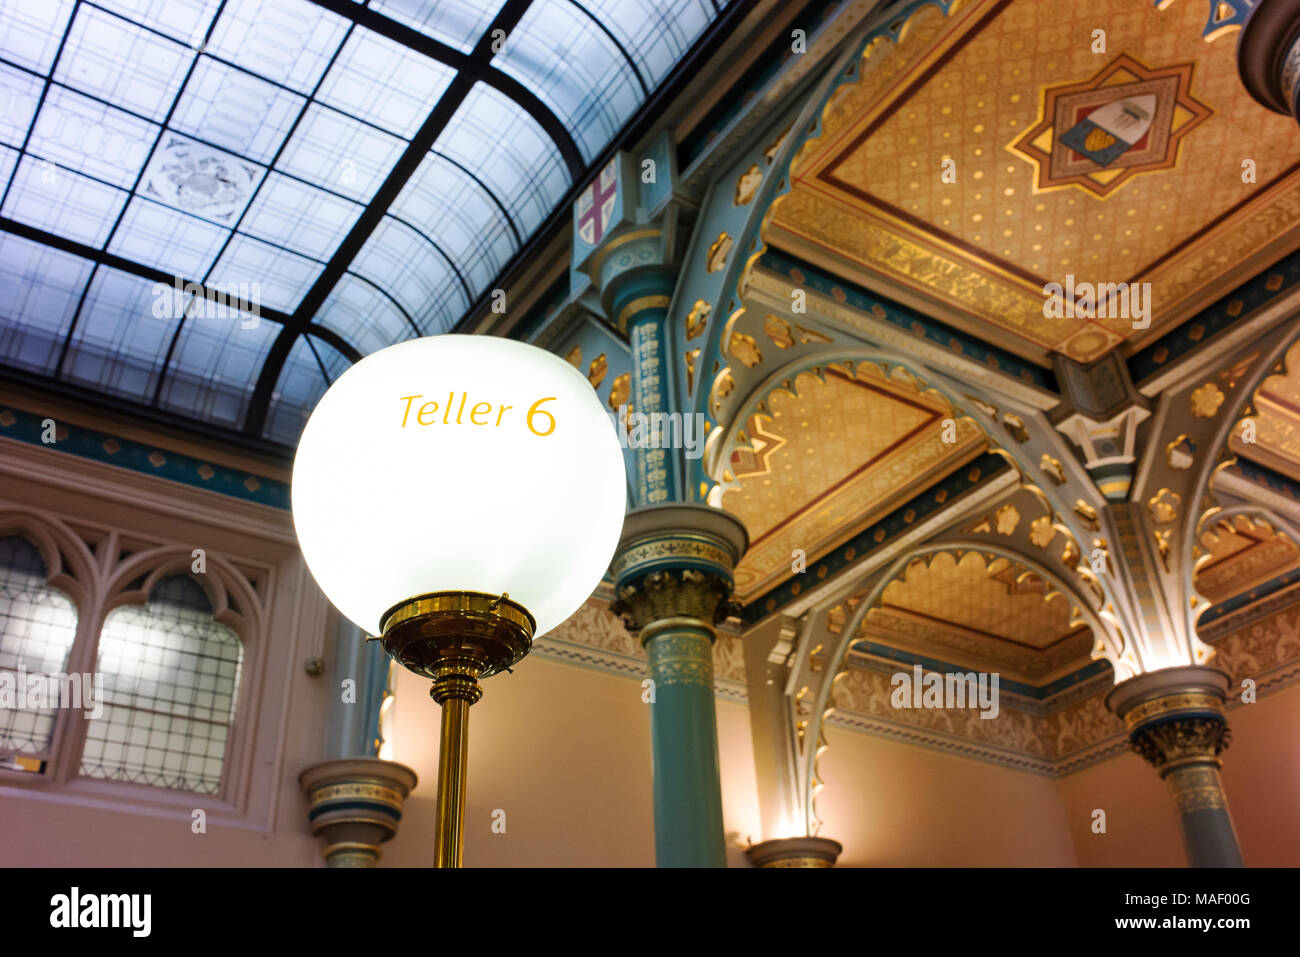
x: 460, y: 277
x: 505, y: 213
x: 40, y: 102
x: 101, y: 258
x: 336, y: 341
x: 162, y: 129
x: 636, y: 70
x: 384, y: 292
x: 473, y: 64
x: 275, y: 160
x: 419, y: 146
x: 316, y: 355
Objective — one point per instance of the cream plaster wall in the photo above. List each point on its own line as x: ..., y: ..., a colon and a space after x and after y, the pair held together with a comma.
x: 564, y: 751
x: 893, y: 804
x: 1261, y: 777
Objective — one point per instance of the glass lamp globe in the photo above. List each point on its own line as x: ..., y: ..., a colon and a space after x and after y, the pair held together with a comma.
x: 459, y: 463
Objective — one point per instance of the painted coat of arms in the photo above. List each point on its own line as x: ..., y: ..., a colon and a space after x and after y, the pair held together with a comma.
x: 1100, y: 133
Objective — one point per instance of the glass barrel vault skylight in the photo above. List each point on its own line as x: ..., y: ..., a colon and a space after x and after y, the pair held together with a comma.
x: 212, y: 207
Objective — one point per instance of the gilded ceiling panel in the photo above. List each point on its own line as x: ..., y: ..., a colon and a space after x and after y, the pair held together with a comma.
x: 996, y: 152
x: 1242, y: 555
x: 828, y: 458
x: 997, y: 600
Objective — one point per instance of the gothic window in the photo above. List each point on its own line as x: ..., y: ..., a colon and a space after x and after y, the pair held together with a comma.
x: 171, y: 678
x: 38, y: 625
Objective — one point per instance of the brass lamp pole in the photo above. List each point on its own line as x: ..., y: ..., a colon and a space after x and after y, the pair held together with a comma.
x: 456, y: 638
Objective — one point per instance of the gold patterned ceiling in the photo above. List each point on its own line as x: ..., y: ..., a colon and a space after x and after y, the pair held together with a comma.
x: 1277, y: 439
x: 980, y: 613
x: 985, y: 156
x: 1242, y: 555
x: 827, y: 456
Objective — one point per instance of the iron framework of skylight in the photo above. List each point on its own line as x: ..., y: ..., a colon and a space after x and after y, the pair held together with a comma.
x: 211, y: 208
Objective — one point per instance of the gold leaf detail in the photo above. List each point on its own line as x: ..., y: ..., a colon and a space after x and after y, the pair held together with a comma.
x: 745, y: 349
x: 1007, y: 518
x: 620, y: 390
x: 1206, y: 401
x: 717, y: 257
x: 1098, y: 140
x: 1052, y: 466
x: 697, y: 318
x: 1178, y: 453
x: 807, y: 335
x: 596, y: 373
x: 778, y: 330
x: 1041, y: 532
x: 747, y: 185
x: 1164, y: 506
x: 1162, y: 545
x: 722, y: 388
x: 769, y: 154
x: 1015, y: 427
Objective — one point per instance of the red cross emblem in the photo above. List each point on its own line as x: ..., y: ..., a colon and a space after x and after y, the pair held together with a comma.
x: 596, y: 205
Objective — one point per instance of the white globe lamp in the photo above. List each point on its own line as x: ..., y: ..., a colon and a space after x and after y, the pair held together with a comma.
x: 458, y: 495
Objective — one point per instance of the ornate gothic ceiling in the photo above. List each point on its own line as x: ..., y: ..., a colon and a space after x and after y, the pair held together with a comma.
x: 1242, y: 554
x: 827, y: 454
x: 982, y: 614
x: 961, y: 172
x: 1277, y: 444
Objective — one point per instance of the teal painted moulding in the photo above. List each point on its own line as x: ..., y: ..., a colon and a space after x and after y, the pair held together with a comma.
x: 147, y: 459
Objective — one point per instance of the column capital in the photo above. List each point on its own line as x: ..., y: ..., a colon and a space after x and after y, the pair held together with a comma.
x: 674, y: 563
x: 1174, y: 716
x: 678, y: 535
x: 672, y: 582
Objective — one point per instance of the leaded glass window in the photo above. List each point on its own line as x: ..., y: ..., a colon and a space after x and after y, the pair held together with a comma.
x: 170, y: 678
x: 38, y: 625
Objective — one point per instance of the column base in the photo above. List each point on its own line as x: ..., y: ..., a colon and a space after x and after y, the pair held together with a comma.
x: 356, y: 804
x: 795, y: 852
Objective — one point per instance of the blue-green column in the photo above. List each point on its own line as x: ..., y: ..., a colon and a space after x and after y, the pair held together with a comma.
x: 355, y: 798
x: 672, y: 571
x: 672, y: 575
x: 352, y: 729
x: 1176, y: 722
x: 637, y: 298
